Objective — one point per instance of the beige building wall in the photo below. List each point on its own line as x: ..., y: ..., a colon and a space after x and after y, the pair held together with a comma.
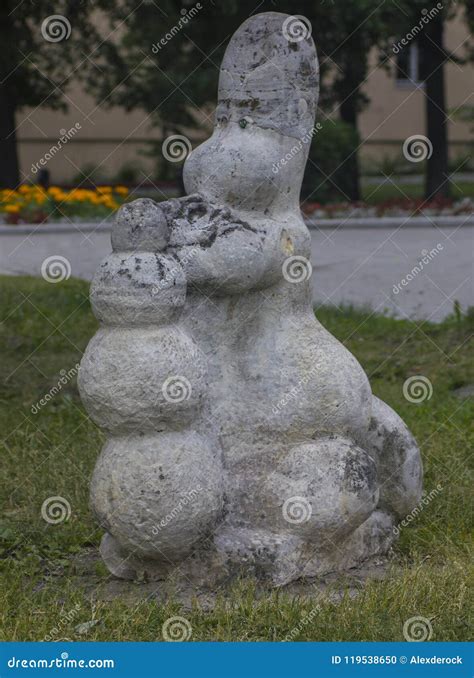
x: 397, y: 111
x: 112, y: 138
x: 107, y: 138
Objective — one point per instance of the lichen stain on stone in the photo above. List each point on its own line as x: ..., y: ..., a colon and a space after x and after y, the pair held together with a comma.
x: 286, y: 243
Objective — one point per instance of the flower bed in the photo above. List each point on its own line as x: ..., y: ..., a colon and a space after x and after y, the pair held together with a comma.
x: 34, y: 204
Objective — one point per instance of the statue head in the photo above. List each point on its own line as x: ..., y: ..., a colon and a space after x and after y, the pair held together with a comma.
x: 268, y: 91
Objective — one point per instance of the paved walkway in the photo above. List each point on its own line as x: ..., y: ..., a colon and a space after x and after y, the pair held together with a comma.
x: 367, y: 266
x: 350, y: 266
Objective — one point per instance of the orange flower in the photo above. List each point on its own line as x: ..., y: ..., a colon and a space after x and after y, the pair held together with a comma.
x: 121, y: 190
x: 8, y: 194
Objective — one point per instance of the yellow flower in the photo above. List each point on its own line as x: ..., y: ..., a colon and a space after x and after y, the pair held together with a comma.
x: 8, y: 195
x: 12, y: 209
x: 56, y: 193
x: 121, y: 190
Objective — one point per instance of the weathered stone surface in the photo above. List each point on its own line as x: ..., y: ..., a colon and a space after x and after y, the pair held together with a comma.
x: 398, y: 459
x: 131, y: 380
x: 138, y: 288
x: 140, y: 225
x: 171, y: 482
x: 269, y: 76
x: 243, y: 437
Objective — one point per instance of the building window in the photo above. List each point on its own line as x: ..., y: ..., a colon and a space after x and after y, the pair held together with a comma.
x: 408, y: 67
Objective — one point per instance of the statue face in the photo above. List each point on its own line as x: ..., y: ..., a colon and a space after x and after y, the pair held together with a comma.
x: 268, y: 90
x: 270, y: 76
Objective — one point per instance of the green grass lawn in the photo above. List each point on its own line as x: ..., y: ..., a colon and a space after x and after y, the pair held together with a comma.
x: 45, y: 327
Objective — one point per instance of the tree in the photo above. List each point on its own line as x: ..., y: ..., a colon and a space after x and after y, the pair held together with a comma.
x: 164, y: 59
x: 167, y: 67
x: 433, y: 58
x: 349, y: 31
x: 42, y: 50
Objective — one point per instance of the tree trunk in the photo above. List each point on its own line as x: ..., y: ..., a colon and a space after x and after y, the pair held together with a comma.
x: 9, y: 172
x: 433, y: 59
x: 348, y: 113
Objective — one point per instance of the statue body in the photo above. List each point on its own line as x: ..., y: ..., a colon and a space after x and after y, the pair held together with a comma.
x: 242, y: 436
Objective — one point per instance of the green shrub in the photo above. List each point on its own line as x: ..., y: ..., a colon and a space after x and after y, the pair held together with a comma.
x: 328, y: 171
x: 129, y: 173
x: 89, y: 175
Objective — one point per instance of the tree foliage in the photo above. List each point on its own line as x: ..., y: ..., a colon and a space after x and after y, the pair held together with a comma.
x: 169, y: 80
x: 163, y: 57
x: 37, y: 68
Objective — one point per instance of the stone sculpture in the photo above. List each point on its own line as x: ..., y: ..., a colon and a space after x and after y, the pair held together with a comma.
x: 241, y: 436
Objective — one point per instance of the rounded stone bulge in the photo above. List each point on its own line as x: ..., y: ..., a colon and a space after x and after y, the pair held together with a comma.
x: 400, y: 469
x: 236, y: 167
x: 138, y: 288
x: 158, y: 494
x: 142, y: 379
x: 322, y: 490
x: 140, y: 225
